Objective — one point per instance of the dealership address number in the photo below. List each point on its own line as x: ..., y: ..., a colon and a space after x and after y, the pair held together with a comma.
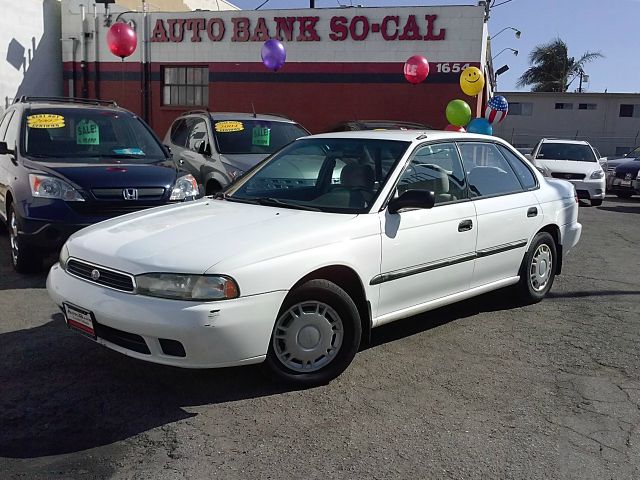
x: 451, y: 67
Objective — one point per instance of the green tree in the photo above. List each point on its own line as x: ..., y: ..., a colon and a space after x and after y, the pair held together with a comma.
x: 552, y: 69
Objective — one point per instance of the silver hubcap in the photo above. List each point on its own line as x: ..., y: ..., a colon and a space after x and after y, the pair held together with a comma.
x: 541, y: 267
x: 13, y: 237
x: 308, y: 336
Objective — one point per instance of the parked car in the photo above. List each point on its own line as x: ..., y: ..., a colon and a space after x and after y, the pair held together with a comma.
x: 66, y: 164
x: 615, y: 162
x: 625, y: 180
x: 290, y: 268
x: 575, y: 161
x: 357, y: 125
x: 219, y: 147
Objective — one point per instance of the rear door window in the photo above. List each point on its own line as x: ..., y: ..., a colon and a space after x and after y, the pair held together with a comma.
x: 488, y: 172
x: 524, y: 174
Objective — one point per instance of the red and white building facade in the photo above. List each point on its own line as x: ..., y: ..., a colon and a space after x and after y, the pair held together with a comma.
x: 342, y: 63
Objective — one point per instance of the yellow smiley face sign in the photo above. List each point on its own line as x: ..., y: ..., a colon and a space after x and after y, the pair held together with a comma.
x: 472, y: 81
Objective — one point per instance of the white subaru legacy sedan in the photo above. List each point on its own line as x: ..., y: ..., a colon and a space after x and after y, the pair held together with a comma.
x: 332, y: 236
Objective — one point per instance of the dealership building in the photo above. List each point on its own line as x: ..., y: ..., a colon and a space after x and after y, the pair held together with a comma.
x: 341, y: 63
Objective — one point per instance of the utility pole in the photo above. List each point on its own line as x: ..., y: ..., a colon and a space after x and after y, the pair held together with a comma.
x: 580, y: 85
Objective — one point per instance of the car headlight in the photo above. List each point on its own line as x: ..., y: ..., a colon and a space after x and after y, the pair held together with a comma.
x: 179, y: 286
x: 64, y: 257
x: 597, y: 174
x: 44, y: 186
x: 185, y: 187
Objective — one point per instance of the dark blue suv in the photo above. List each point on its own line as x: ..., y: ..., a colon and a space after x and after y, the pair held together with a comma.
x: 69, y: 163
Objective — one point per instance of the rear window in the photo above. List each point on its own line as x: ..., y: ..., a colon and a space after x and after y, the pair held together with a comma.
x: 254, y: 136
x: 566, y: 151
x: 67, y: 134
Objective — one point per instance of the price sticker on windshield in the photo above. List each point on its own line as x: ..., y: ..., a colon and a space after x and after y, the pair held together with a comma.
x: 45, y: 120
x: 261, y: 137
x: 229, y: 126
x: 87, y: 133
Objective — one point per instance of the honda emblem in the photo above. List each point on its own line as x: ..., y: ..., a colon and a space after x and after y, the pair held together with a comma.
x: 130, y: 193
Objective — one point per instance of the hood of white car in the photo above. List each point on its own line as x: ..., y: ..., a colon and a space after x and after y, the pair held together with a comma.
x: 567, y: 166
x: 193, y: 237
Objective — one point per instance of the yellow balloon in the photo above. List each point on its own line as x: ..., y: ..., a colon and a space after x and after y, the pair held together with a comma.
x: 472, y: 81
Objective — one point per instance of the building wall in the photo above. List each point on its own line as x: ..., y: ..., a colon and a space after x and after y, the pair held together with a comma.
x: 30, y: 52
x: 334, y: 69
x: 603, y: 127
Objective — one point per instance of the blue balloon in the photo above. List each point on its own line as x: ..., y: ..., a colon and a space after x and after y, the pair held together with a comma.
x: 480, y: 125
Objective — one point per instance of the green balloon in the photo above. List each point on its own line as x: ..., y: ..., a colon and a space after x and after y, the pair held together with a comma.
x: 458, y: 113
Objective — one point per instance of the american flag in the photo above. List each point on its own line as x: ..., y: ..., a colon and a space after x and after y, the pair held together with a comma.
x: 497, y: 109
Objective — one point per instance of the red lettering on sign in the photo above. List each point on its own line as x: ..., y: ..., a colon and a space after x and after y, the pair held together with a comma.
x: 411, y: 30
x: 196, y: 25
x: 240, y: 29
x: 431, y: 21
x: 285, y: 25
x: 384, y: 28
x: 353, y: 28
x: 215, y: 29
x: 308, y: 29
x: 261, y: 33
x: 173, y: 36
x: 339, y: 29
x: 159, y: 33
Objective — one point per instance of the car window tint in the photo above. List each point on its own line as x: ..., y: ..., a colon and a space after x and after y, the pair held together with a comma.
x: 524, y: 174
x: 488, y: 173
x: 566, y: 151
x: 4, y: 123
x: 196, y: 133
x: 179, y: 132
x: 435, y: 168
x: 11, y: 135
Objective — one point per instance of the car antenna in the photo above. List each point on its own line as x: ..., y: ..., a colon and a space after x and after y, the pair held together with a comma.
x: 253, y: 109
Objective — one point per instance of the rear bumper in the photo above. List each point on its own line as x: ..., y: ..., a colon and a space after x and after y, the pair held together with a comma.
x: 570, y: 237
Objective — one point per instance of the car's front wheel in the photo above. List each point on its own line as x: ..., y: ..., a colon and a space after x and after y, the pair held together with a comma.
x: 23, y: 258
x: 538, y: 268
x: 316, y: 335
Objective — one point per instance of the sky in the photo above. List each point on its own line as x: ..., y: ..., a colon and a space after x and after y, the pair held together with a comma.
x: 608, y: 27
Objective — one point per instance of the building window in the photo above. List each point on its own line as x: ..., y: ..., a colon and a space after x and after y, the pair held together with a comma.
x: 564, y: 106
x: 587, y: 106
x: 627, y: 110
x: 185, y: 86
x: 524, y: 108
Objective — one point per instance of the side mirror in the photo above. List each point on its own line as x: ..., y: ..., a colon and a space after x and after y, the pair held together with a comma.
x: 4, y: 149
x: 412, y: 199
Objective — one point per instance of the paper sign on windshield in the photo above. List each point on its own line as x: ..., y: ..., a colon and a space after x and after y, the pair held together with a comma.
x: 87, y: 133
x: 261, y: 136
x: 45, y: 120
x: 229, y: 126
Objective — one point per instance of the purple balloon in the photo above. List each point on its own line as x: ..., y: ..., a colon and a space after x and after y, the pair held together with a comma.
x: 273, y: 54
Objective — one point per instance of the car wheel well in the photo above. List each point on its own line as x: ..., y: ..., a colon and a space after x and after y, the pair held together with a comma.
x: 213, y: 186
x: 7, y: 204
x: 554, y: 231
x: 348, y: 280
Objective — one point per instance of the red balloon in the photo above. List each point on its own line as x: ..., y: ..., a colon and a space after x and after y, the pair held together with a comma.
x: 454, y: 128
x: 122, y: 40
x: 416, y: 69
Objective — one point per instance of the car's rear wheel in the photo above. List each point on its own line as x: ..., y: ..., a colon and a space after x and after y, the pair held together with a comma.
x: 596, y: 203
x: 538, y: 268
x: 23, y: 257
x: 316, y: 335
x: 623, y: 195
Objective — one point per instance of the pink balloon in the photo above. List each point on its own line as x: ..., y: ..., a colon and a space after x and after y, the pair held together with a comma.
x: 122, y: 40
x: 416, y: 69
x: 454, y: 128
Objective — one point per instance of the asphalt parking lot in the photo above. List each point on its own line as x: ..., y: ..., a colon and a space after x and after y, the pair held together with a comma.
x: 482, y: 389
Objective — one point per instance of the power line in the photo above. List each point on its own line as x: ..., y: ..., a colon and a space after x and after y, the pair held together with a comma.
x: 262, y: 4
x: 501, y: 3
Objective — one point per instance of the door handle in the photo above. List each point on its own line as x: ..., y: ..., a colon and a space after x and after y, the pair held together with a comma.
x: 532, y: 212
x: 465, y: 226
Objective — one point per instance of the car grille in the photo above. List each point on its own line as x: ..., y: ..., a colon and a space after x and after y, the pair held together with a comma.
x: 111, y: 209
x: 568, y: 176
x: 118, y: 193
x: 620, y: 174
x: 104, y: 276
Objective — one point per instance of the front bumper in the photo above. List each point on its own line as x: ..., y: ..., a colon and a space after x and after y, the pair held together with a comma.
x: 621, y: 185
x: 590, y: 189
x: 213, y: 334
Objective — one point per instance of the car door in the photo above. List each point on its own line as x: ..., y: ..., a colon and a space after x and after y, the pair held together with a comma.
x: 428, y: 253
x: 6, y: 164
x: 508, y: 213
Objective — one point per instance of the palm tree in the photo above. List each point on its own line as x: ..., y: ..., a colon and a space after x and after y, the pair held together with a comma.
x: 552, y: 70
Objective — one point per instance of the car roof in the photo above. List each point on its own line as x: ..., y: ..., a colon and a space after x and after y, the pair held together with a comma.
x: 383, y: 124
x: 407, y: 135
x: 570, y: 142
x: 215, y: 116
x: 65, y: 102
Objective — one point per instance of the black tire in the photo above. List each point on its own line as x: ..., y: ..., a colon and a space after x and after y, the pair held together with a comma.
x: 315, y: 292
x: 24, y: 258
x: 528, y: 292
x: 596, y: 203
x: 623, y: 195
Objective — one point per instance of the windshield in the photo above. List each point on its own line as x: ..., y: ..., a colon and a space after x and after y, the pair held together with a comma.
x: 566, y: 151
x: 75, y: 134
x: 341, y: 175
x: 635, y: 153
x: 262, y: 137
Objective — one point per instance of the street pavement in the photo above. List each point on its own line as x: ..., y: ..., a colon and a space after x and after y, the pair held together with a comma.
x: 482, y: 389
